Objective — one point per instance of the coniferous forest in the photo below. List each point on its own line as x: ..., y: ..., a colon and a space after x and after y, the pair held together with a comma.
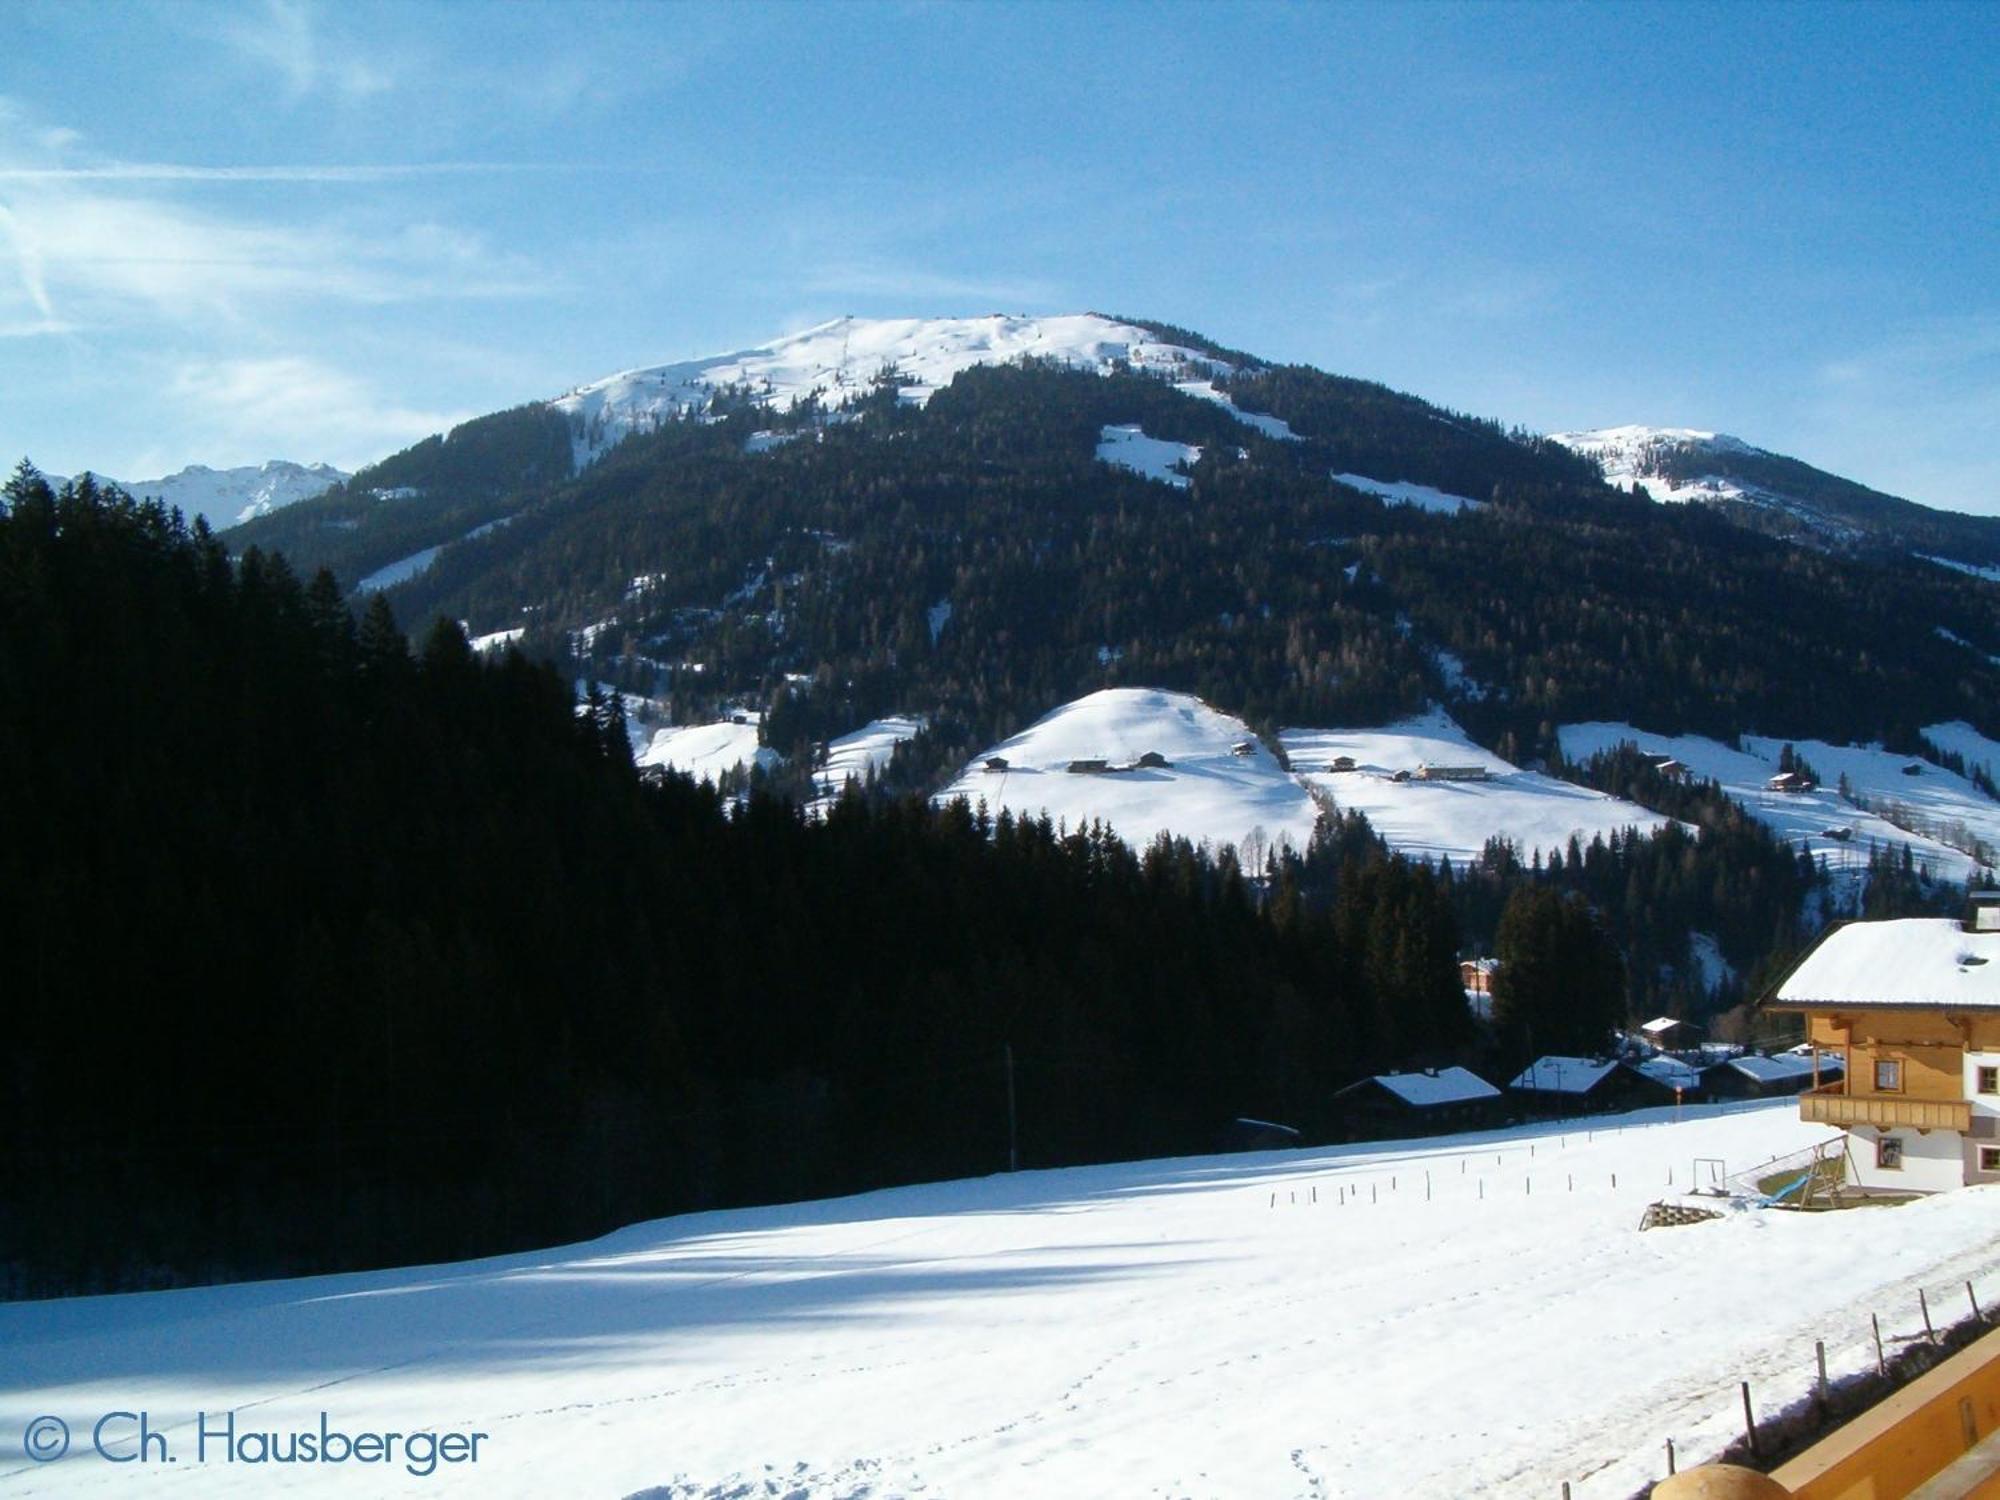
x: 336, y: 949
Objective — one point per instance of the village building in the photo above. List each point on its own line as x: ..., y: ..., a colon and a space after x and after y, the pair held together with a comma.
x: 997, y: 763
x: 1413, y: 1103
x: 1658, y: 1080
x: 1913, y: 1008
x: 1753, y: 1077
x: 1790, y: 781
x: 1428, y: 772
x: 1152, y: 760
x: 1568, y: 1085
x: 1341, y: 763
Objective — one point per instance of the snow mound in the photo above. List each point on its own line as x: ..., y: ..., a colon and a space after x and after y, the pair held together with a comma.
x: 840, y: 361
x: 1206, y: 793
x: 1452, y: 818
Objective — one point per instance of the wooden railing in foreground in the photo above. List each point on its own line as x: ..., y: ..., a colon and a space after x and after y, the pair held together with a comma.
x: 1932, y: 1440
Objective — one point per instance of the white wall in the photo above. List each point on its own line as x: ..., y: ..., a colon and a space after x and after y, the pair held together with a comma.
x: 1932, y: 1163
x: 1985, y: 1115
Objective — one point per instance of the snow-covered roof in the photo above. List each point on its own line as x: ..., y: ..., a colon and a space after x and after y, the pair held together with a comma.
x: 1659, y: 1026
x: 1669, y: 1071
x: 1563, y: 1075
x: 1780, y: 1069
x: 1442, y: 1086
x: 1912, y: 961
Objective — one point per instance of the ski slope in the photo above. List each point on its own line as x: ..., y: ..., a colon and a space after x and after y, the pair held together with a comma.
x: 1453, y: 819
x: 1207, y: 794
x: 1302, y: 1323
x: 855, y: 757
x: 1937, y: 813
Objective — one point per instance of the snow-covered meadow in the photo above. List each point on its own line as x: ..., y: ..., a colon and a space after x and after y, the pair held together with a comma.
x: 1461, y: 1316
x: 1937, y: 813
x: 1206, y: 792
x: 1453, y: 819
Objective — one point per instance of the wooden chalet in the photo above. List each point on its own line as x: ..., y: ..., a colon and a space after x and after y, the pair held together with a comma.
x: 1432, y: 1099
x: 1913, y: 1008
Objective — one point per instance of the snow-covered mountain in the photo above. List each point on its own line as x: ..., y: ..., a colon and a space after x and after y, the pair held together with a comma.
x: 228, y: 497
x: 1656, y: 456
x: 1769, y: 492
x: 840, y: 361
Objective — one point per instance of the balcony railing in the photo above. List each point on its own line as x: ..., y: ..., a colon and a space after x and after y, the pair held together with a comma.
x: 1831, y: 1104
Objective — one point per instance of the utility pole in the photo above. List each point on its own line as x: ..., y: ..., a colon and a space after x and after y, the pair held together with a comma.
x: 1013, y: 1140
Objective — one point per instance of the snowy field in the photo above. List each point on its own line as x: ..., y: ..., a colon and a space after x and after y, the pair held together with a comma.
x: 1402, y: 492
x: 1936, y: 812
x: 707, y: 751
x: 1453, y: 818
x: 1154, y: 458
x: 854, y: 756
x: 1308, y: 1323
x: 1206, y: 793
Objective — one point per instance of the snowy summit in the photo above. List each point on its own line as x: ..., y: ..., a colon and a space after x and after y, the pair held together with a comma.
x: 841, y: 360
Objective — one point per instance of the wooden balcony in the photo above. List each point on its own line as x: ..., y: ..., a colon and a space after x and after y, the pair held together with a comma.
x: 1831, y: 1104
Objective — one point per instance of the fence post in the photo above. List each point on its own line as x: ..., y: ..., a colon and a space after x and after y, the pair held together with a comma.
x: 1977, y: 1315
x: 1750, y: 1422
x: 1925, y: 1303
x: 1881, y: 1364
x: 1671, y: 1470
x: 1819, y: 1348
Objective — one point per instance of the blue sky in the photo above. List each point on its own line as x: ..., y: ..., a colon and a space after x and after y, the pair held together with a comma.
x: 275, y: 229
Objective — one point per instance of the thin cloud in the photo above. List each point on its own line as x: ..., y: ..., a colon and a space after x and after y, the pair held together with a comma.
x: 147, y: 171
x: 83, y: 256
x: 246, y: 410
x: 285, y: 40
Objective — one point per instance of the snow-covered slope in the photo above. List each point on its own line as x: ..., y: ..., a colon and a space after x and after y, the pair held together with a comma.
x: 1401, y: 492
x: 1207, y: 793
x: 1276, y: 1324
x: 1939, y: 814
x: 854, y: 757
x: 706, y: 751
x: 1154, y: 458
x: 227, y: 497
x: 1632, y: 456
x: 839, y: 361
x: 1453, y: 819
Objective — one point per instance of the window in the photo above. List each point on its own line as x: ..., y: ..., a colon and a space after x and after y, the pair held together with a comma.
x: 1989, y: 1158
x: 1989, y: 1079
x: 1888, y: 1076
x: 1889, y: 1154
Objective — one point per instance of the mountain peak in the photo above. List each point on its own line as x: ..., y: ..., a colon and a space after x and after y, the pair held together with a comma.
x: 838, y: 361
